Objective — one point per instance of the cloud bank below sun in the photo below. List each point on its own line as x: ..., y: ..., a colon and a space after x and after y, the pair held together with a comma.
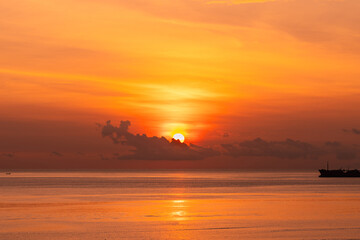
x: 159, y: 148
x: 153, y: 148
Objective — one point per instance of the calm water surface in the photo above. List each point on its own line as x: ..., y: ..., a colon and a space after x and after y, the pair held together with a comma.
x: 178, y: 205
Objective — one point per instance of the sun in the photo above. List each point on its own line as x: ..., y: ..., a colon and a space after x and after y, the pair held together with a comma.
x: 179, y: 136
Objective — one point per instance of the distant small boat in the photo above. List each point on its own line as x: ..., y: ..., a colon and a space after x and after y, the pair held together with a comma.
x: 338, y: 172
x: 8, y: 173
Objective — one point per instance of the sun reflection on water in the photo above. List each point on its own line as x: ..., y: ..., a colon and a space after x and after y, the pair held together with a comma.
x: 179, y: 206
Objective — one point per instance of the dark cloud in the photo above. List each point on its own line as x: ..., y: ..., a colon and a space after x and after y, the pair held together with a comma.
x: 103, y: 157
x: 143, y: 147
x: 153, y: 148
x: 354, y: 131
x: 10, y: 155
x: 332, y: 144
x: 57, y: 154
x: 290, y: 149
x: 342, y: 152
x: 258, y: 147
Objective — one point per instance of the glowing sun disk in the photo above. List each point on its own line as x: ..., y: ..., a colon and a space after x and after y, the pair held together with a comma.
x: 179, y: 136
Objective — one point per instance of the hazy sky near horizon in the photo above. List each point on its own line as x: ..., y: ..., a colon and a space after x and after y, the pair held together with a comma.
x: 236, y: 77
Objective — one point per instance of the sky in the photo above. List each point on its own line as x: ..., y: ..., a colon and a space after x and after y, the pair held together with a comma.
x: 251, y: 84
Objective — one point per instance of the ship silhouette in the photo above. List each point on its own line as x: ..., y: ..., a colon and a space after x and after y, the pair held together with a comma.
x: 338, y: 172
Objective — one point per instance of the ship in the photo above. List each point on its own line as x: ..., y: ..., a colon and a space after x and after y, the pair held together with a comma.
x: 339, y: 172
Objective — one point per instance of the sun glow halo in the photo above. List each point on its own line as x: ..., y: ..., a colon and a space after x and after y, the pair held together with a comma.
x: 179, y: 136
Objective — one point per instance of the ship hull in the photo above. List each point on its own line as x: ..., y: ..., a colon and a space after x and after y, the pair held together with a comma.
x: 339, y: 173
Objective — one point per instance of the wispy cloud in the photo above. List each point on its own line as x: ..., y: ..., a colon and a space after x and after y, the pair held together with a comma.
x: 233, y: 2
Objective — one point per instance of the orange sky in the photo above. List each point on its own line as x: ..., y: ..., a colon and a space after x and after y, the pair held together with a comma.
x: 253, y: 68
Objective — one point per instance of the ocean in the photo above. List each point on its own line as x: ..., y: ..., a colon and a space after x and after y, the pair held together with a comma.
x: 99, y: 205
